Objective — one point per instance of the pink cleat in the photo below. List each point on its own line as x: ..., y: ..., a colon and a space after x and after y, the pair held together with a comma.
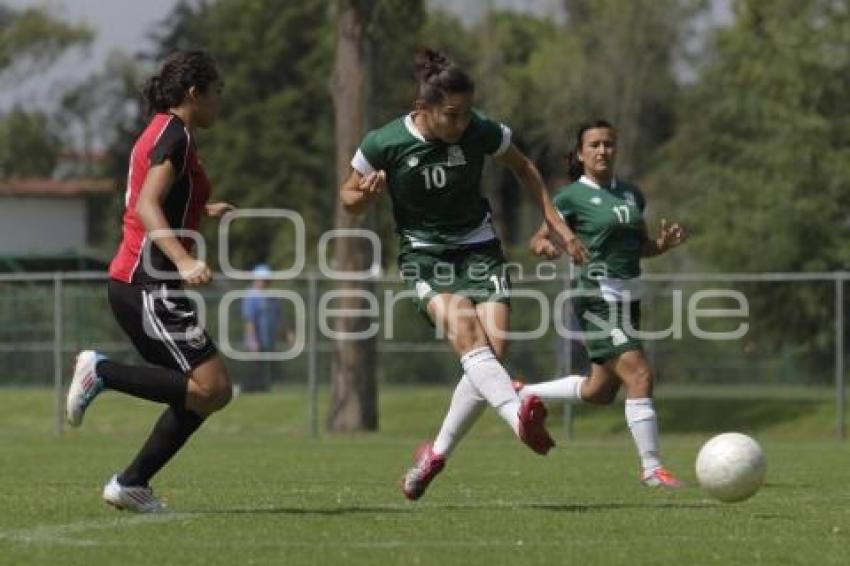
x: 426, y: 465
x: 532, y: 425
x: 661, y: 477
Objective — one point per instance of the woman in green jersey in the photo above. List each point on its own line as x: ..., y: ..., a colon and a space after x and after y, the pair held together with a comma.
x: 430, y: 163
x: 607, y: 214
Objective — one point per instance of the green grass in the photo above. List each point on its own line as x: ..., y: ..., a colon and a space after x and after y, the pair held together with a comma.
x: 253, y: 488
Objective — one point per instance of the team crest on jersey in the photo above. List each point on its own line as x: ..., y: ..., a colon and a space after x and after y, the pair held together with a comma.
x: 630, y: 198
x: 456, y: 156
x: 596, y: 200
x: 412, y: 161
x: 195, y: 337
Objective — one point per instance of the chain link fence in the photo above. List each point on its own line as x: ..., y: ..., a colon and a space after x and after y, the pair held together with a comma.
x: 708, y: 330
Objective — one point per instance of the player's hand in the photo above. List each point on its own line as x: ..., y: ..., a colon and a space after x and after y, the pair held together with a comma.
x: 218, y: 209
x: 374, y: 183
x: 194, y: 271
x: 543, y: 247
x: 564, y: 238
x: 576, y: 250
x: 670, y: 235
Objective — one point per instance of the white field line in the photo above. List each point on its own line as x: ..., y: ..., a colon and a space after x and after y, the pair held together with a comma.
x: 73, y: 534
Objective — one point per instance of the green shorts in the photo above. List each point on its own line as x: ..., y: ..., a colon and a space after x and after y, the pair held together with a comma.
x: 607, y: 334
x: 476, y: 271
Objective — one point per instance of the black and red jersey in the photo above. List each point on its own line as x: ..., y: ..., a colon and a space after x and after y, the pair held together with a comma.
x: 165, y: 138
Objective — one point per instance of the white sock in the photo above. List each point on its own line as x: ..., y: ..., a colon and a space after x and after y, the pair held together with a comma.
x: 564, y: 389
x: 467, y: 405
x: 493, y: 383
x: 640, y: 416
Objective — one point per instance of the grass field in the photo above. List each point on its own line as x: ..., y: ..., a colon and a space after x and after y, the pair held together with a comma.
x: 253, y: 488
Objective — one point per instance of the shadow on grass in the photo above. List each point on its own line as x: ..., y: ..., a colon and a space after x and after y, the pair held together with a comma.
x: 318, y: 511
x: 402, y: 508
x: 702, y: 415
x: 616, y: 506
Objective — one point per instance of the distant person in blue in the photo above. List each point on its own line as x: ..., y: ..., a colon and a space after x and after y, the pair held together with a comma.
x: 263, y: 318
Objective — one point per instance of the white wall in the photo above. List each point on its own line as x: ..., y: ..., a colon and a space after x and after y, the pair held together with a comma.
x: 41, y: 225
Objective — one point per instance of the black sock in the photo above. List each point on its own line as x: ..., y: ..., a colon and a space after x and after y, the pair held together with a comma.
x: 170, y: 432
x: 158, y: 384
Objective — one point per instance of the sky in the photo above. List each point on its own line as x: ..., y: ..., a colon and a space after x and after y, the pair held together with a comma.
x: 125, y: 25
x: 118, y: 25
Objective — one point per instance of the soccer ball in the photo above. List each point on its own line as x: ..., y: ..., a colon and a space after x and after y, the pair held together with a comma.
x: 731, y: 467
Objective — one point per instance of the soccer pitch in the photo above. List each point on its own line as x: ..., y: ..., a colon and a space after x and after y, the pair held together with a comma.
x: 253, y: 488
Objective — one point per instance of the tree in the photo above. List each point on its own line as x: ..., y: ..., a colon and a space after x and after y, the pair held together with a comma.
x: 34, y: 37
x: 28, y: 146
x: 274, y: 138
x: 354, y: 403
x: 29, y: 39
x: 367, y: 31
x: 760, y: 168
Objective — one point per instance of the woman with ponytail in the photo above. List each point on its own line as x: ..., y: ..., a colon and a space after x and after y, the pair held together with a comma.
x: 167, y: 193
x: 607, y: 214
x: 430, y: 163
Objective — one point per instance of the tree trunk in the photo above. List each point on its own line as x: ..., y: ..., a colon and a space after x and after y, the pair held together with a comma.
x: 354, y: 405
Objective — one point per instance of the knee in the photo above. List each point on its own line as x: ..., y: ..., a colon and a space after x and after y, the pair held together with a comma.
x: 640, y: 382
x: 470, y: 335
x: 222, y: 396
x: 211, y: 398
x: 599, y: 396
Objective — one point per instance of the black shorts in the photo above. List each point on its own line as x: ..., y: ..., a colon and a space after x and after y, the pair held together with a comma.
x: 162, y: 324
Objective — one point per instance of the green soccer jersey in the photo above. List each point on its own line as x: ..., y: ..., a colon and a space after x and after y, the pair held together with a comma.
x: 609, y: 220
x: 435, y: 187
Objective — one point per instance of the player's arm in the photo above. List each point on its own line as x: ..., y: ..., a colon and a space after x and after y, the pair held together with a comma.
x: 669, y: 237
x: 157, y: 183
x: 359, y: 191
x: 529, y: 177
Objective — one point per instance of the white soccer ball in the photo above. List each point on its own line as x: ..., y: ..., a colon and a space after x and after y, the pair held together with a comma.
x: 731, y: 467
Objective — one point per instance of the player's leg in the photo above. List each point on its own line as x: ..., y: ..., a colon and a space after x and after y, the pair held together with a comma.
x: 208, y: 391
x: 166, y: 382
x: 633, y: 369
x: 459, y: 319
x: 467, y: 403
x: 600, y: 387
x: 165, y: 331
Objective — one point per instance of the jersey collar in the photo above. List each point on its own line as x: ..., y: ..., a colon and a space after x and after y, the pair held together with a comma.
x: 585, y: 180
x: 411, y: 127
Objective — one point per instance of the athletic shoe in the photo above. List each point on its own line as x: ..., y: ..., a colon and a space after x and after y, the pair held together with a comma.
x: 138, y: 499
x: 426, y: 465
x: 532, y: 425
x: 660, y: 477
x: 85, y: 386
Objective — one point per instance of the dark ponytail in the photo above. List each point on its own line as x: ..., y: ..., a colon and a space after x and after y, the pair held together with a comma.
x: 438, y: 76
x: 575, y: 168
x: 181, y: 71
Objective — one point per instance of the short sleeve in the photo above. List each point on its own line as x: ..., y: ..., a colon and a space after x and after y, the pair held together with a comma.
x: 496, y: 137
x: 369, y: 156
x: 172, y: 145
x: 562, y: 204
